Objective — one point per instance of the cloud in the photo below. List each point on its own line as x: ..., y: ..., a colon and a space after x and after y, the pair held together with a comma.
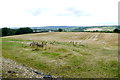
x: 77, y: 12
x: 58, y: 12
x: 64, y: 14
x: 71, y: 11
x: 36, y: 11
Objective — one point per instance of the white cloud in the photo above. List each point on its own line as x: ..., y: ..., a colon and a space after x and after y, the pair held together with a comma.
x: 58, y: 12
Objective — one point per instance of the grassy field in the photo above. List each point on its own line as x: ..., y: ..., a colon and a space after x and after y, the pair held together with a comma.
x: 66, y: 54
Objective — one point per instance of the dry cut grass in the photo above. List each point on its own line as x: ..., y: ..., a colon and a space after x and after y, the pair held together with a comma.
x: 67, y: 54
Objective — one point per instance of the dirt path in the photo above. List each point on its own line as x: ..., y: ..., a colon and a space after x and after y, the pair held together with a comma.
x: 12, y: 69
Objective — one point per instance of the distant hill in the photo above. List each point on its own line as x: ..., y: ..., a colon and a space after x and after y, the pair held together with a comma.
x: 56, y: 27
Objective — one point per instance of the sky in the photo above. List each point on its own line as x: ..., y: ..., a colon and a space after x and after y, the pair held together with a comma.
x: 39, y: 13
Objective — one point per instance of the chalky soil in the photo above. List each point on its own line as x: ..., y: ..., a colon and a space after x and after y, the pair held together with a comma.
x: 12, y: 69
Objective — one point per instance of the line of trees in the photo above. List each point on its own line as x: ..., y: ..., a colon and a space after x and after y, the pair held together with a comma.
x: 116, y: 30
x: 7, y: 31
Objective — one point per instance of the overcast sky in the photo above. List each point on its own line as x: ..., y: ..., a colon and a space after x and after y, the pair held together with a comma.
x: 58, y: 13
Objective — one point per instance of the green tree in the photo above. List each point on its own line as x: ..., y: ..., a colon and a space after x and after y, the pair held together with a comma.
x: 116, y: 30
x: 24, y: 30
x: 7, y: 31
x: 60, y: 30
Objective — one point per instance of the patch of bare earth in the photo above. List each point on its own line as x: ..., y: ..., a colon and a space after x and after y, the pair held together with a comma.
x: 16, y: 70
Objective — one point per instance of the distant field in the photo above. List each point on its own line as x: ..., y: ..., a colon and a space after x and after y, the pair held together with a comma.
x: 66, y: 54
x: 101, y: 29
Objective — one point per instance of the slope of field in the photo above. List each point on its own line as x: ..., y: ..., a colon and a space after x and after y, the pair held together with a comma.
x: 66, y: 54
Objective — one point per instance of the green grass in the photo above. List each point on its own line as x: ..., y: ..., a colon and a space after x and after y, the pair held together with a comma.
x: 50, y: 54
x: 64, y: 59
x: 112, y: 28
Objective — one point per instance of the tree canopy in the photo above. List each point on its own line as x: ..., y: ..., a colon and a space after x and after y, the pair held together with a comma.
x: 7, y: 31
x: 24, y: 30
x: 60, y: 30
x: 116, y: 30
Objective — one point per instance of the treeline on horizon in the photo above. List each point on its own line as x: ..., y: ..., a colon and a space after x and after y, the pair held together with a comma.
x: 8, y: 31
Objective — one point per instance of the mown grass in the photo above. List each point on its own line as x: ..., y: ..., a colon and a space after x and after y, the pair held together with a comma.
x: 64, y: 59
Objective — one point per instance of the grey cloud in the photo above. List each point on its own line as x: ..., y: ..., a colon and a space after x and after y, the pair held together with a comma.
x: 77, y: 12
x: 71, y: 11
x: 36, y: 11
